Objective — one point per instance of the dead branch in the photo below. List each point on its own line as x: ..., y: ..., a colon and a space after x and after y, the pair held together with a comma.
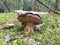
x: 55, y: 11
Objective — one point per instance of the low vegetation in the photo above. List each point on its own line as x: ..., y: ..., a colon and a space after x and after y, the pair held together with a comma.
x: 48, y: 35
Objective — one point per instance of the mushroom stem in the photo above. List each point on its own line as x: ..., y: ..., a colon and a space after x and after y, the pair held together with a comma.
x: 29, y: 27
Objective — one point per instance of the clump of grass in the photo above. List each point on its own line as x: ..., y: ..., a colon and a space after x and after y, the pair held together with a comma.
x: 48, y: 36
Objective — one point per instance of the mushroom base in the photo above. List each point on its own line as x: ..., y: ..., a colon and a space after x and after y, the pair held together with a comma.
x: 29, y: 27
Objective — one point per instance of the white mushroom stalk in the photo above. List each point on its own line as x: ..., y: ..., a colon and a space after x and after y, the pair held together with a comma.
x: 29, y: 27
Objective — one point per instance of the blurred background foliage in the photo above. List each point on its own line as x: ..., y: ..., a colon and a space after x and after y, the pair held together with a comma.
x: 34, y: 5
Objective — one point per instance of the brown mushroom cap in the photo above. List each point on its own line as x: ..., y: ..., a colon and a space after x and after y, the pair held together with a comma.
x: 30, y: 17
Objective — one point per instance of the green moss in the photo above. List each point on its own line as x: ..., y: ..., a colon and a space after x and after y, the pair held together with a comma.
x: 47, y: 36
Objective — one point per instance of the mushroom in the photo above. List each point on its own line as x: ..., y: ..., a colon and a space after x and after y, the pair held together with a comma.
x: 31, y: 20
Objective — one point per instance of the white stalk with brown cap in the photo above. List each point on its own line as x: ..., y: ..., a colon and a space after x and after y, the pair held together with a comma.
x: 31, y: 20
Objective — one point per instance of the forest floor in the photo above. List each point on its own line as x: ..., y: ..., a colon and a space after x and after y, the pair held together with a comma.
x: 48, y: 35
